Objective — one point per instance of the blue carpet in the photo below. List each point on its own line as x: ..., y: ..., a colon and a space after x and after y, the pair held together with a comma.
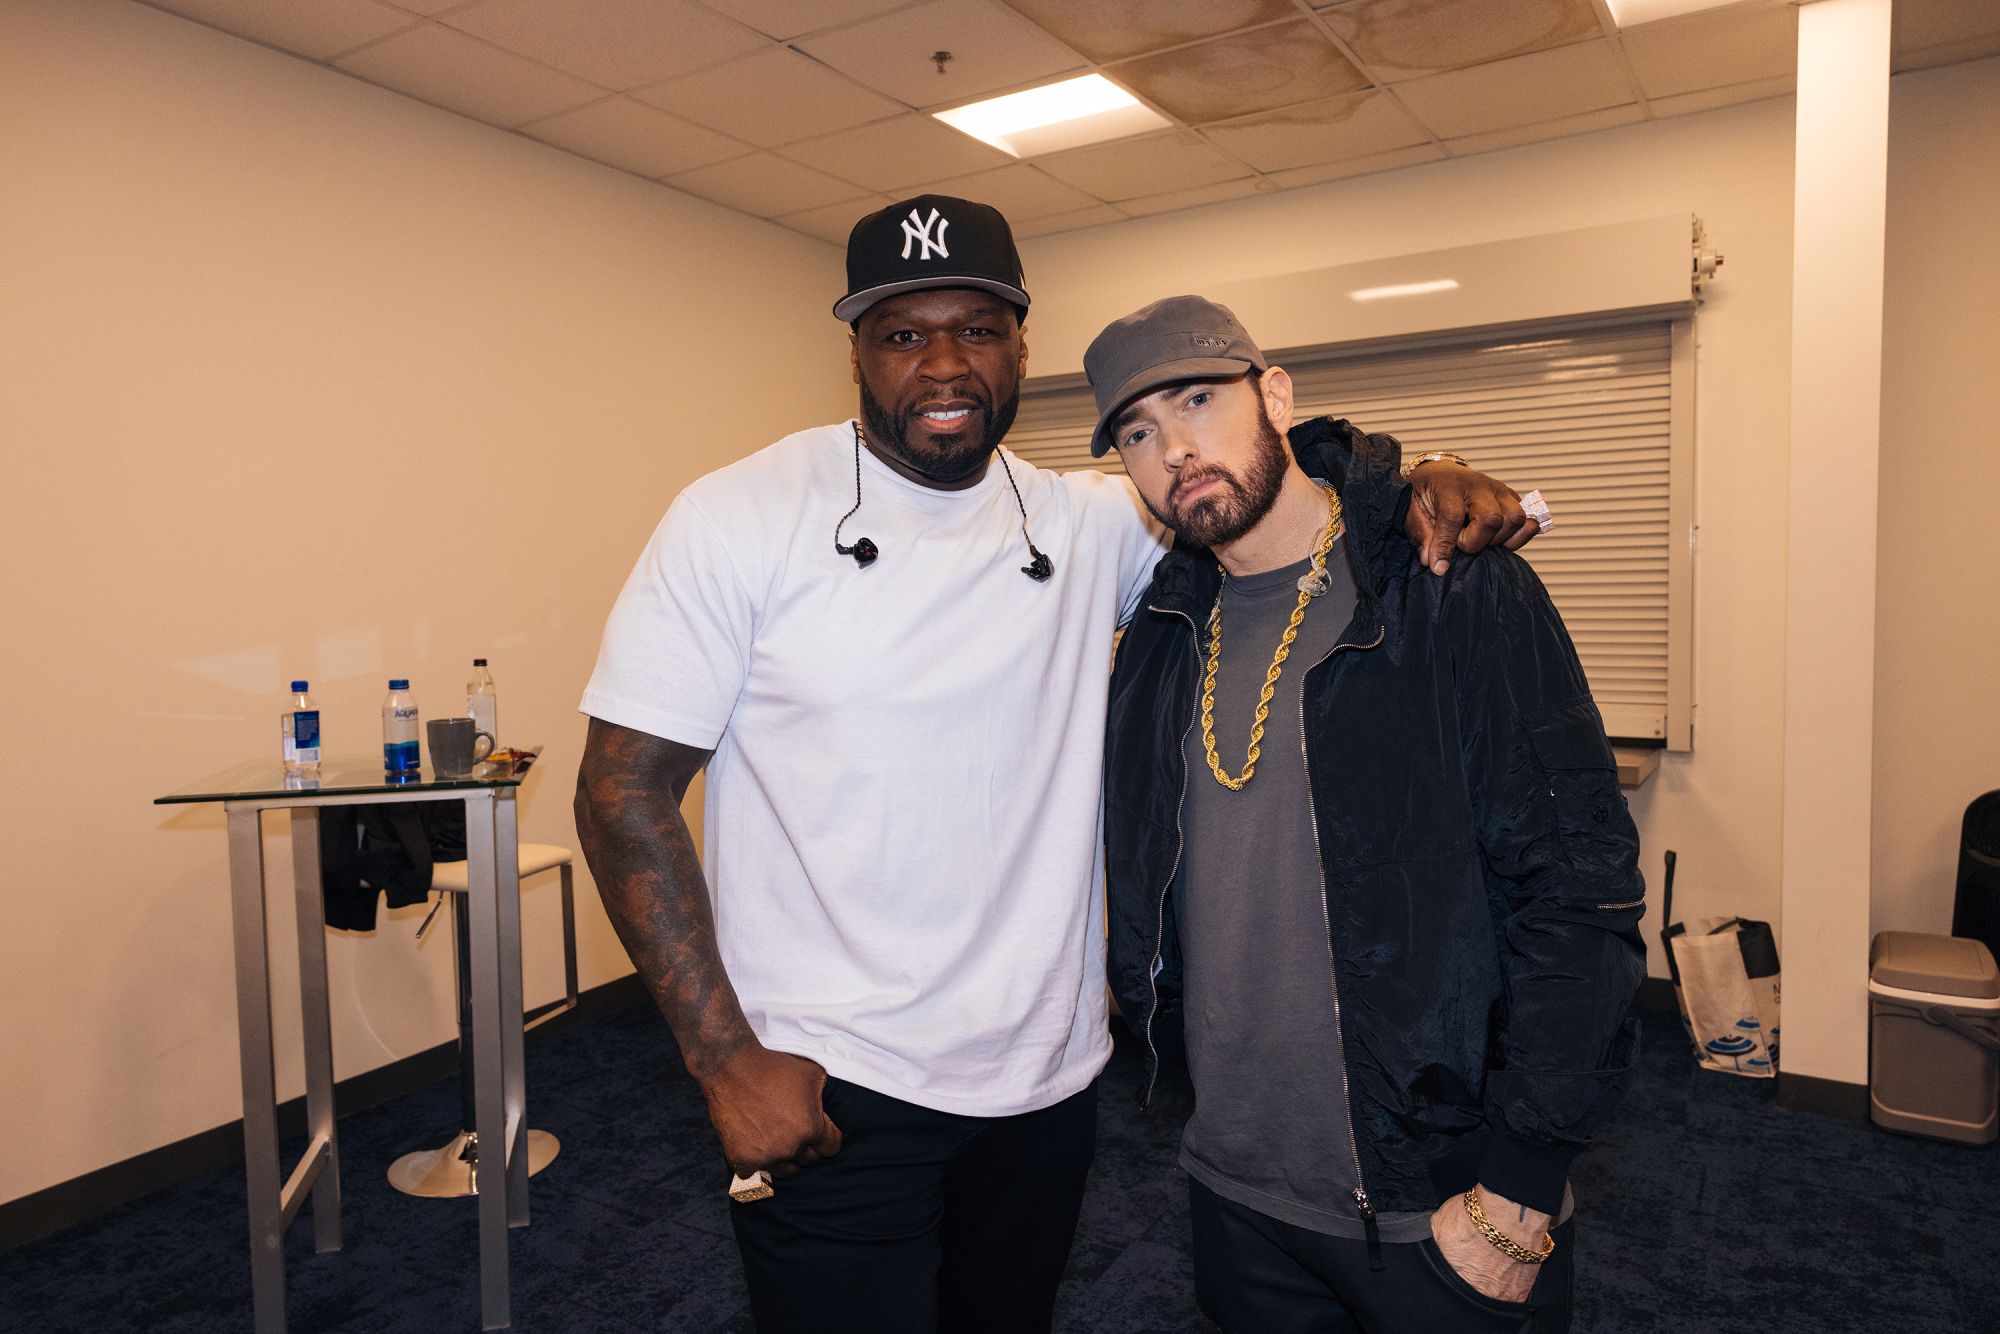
x: 1704, y: 1209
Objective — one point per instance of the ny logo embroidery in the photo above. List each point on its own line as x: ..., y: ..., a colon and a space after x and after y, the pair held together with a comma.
x: 920, y: 230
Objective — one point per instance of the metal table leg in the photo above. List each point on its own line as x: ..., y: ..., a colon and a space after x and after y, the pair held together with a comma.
x: 260, y: 1098
x: 513, y: 1074
x: 489, y: 1018
x: 323, y: 1137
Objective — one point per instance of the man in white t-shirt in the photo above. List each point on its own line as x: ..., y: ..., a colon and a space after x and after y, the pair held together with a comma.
x: 892, y: 659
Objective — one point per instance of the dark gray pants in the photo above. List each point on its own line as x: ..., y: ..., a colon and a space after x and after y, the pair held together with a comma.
x: 1256, y: 1275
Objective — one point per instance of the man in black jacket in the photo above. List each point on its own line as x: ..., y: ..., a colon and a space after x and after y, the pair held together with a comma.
x: 1366, y: 853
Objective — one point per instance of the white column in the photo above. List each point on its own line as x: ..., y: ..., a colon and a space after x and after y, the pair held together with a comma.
x: 1839, y: 198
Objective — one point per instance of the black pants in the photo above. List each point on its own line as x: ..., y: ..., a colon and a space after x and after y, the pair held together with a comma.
x: 1256, y: 1275
x: 924, y: 1223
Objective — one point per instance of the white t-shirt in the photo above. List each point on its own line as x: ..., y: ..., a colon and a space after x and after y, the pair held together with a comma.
x: 903, y: 829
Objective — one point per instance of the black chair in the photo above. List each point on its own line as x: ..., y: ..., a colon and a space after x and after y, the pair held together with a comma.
x: 1976, y: 910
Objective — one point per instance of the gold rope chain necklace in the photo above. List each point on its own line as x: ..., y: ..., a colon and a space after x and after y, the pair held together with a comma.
x: 1311, y: 583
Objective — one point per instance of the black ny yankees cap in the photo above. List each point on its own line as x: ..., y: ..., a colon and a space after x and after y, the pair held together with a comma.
x: 929, y: 241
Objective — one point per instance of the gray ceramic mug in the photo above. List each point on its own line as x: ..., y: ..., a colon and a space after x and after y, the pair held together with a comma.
x: 455, y: 746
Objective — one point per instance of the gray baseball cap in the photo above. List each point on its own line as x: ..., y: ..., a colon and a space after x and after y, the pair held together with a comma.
x: 1180, y: 338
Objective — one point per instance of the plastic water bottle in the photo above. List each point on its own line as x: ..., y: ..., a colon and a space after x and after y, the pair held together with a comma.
x: 399, y: 732
x: 299, y: 726
x: 482, y: 702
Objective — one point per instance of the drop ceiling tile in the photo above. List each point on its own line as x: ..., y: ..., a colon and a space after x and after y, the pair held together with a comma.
x: 317, y: 31
x: 618, y: 44
x: 1175, y: 200
x: 1917, y: 24
x: 833, y: 222
x: 790, y: 18
x: 1406, y: 39
x: 1113, y: 29
x: 444, y: 67
x: 1131, y: 168
x: 1714, y: 49
x: 1250, y: 71
x: 1019, y: 191
x: 772, y: 97
x: 766, y: 185
x: 897, y: 153
x: 1608, y: 119
x: 425, y: 7
x: 991, y: 48
x: 1359, y: 166
x: 1067, y: 222
x: 1547, y: 85
x: 1710, y: 98
x: 1351, y: 125
x: 635, y: 137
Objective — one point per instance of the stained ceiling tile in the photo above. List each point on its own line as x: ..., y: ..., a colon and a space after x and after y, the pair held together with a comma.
x: 1251, y: 71
x: 991, y: 48
x: 772, y: 97
x: 1019, y: 191
x: 1351, y: 125
x: 790, y: 18
x: 616, y: 44
x: 1067, y: 222
x: 766, y: 185
x: 317, y: 31
x: 833, y: 222
x: 1113, y: 29
x: 1175, y: 200
x: 1710, y: 98
x: 894, y: 154
x: 1405, y: 39
x: 1548, y: 85
x: 449, y: 69
x: 1130, y: 168
x: 1610, y: 118
x: 1359, y: 166
x: 635, y: 137
x: 1714, y: 49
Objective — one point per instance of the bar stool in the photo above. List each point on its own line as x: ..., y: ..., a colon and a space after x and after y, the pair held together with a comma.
x: 447, y: 1172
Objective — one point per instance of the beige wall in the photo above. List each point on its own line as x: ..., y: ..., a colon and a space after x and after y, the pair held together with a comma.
x: 1718, y: 807
x: 1937, y: 615
x: 240, y: 294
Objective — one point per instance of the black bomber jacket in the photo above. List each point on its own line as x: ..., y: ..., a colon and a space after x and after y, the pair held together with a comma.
x: 1480, y: 867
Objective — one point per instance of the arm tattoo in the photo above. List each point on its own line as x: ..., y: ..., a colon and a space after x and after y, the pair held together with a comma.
x: 628, y: 818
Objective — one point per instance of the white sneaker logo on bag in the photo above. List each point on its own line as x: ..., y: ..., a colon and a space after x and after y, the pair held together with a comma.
x: 920, y: 231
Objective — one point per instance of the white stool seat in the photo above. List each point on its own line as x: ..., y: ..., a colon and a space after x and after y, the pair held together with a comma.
x: 534, y: 859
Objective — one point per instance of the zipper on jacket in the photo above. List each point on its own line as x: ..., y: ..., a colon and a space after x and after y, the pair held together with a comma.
x: 1180, y: 846
x: 1362, y: 1203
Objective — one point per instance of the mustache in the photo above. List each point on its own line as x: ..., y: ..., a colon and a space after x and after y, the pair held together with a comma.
x: 1187, y: 479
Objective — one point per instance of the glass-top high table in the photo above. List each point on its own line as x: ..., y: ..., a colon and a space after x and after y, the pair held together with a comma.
x: 493, y: 910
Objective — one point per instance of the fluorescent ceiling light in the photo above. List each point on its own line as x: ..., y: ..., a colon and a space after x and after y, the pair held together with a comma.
x: 1404, y: 289
x: 1631, y: 13
x: 1086, y: 110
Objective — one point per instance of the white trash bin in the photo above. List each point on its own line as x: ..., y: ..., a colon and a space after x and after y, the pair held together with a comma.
x: 1934, y: 1036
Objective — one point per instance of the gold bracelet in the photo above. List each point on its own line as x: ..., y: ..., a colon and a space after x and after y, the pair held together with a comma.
x: 1435, y: 456
x: 1513, y: 1249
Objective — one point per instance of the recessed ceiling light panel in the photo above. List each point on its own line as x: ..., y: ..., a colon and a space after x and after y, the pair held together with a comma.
x: 1631, y: 13
x: 1404, y: 289
x: 1070, y: 114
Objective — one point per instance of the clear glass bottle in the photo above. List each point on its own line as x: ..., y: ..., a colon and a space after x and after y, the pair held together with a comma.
x: 482, y: 701
x: 400, y: 752
x: 298, y: 728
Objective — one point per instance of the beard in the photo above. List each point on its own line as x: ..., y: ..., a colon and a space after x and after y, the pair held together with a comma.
x: 1236, y: 504
x: 950, y: 457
